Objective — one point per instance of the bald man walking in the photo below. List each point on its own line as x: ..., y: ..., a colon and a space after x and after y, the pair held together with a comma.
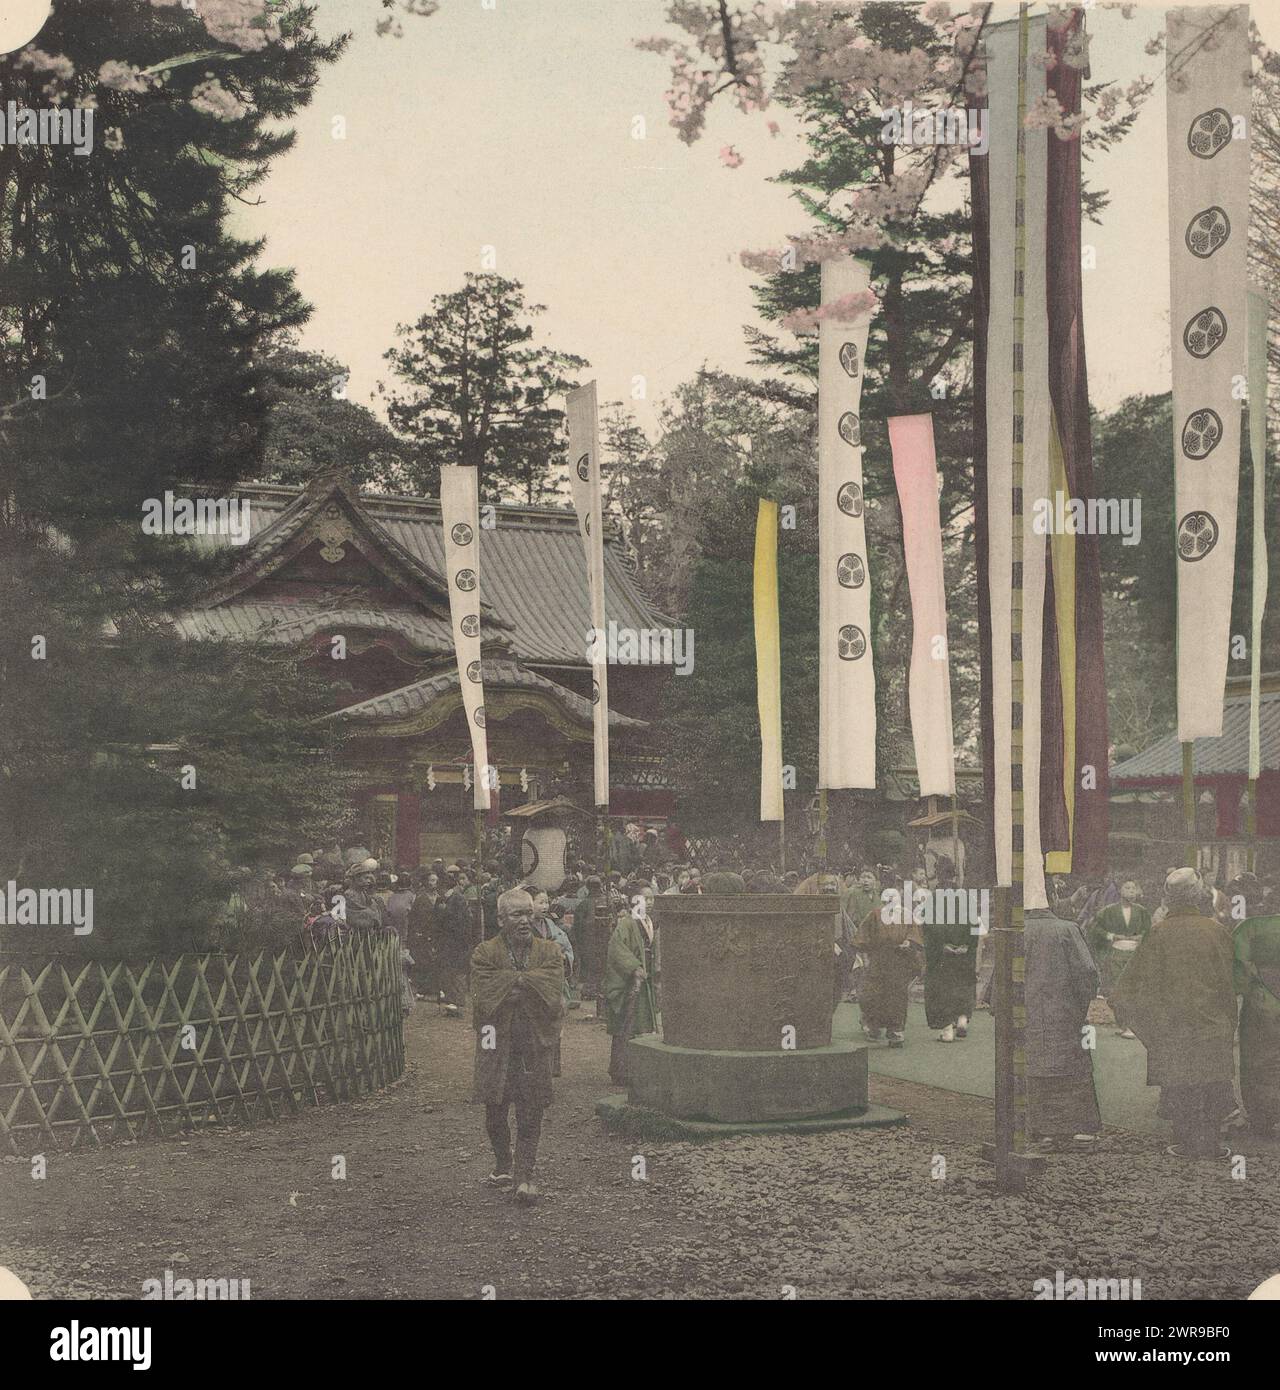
x: 517, y: 1002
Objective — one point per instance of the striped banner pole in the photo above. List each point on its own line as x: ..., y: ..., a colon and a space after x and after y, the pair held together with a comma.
x: 1011, y: 1011
x: 1189, y: 802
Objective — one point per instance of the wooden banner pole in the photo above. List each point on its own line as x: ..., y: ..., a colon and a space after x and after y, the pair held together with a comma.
x: 1189, y: 804
x: 1011, y: 1100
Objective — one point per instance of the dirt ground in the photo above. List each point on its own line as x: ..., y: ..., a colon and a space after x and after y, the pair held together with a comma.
x: 908, y: 1212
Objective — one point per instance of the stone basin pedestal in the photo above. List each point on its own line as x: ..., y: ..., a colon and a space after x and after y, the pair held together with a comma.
x: 746, y: 995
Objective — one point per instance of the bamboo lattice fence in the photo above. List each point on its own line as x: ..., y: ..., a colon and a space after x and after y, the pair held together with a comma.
x: 96, y: 1051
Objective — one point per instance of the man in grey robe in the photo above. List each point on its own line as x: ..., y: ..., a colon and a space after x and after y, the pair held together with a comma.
x: 1061, y: 981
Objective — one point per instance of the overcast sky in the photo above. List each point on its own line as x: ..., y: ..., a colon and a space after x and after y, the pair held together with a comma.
x: 512, y: 128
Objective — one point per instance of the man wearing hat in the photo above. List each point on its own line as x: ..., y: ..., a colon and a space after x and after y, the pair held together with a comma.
x: 1178, y: 995
x: 300, y: 885
x: 364, y: 907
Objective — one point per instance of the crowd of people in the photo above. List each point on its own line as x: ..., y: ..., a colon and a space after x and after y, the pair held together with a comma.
x: 1188, y: 980
x: 524, y: 956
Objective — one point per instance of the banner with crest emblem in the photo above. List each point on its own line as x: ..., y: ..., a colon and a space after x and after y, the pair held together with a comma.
x: 1207, y: 72
x: 584, y: 477
x: 460, y: 515
x: 846, y: 674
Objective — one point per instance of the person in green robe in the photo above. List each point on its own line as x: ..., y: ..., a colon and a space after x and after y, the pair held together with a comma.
x: 1114, y: 934
x: 628, y: 981
x: 860, y: 897
x: 1257, y: 978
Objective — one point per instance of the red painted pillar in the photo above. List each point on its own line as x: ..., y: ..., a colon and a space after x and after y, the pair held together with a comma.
x: 1226, y: 796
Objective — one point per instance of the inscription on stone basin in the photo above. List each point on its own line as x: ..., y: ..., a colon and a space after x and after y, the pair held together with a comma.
x: 737, y: 971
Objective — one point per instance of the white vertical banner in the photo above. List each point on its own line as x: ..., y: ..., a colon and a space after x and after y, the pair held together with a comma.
x: 1207, y: 67
x: 460, y: 516
x: 1002, y: 97
x: 846, y: 675
x: 584, y: 477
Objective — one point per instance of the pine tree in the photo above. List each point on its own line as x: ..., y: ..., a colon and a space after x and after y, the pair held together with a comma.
x: 480, y: 393
x: 130, y: 323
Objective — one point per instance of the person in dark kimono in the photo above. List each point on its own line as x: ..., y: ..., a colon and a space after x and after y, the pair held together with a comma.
x: 1061, y: 981
x: 1178, y: 995
x: 456, y: 936
x: 1257, y: 977
x: 517, y: 1001
x: 950, y: 978
x: 591, y: 931
x: 422, y: 931
x: 893, y: 954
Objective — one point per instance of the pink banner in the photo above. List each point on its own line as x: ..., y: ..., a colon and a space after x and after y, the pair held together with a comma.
x: 916, y: 474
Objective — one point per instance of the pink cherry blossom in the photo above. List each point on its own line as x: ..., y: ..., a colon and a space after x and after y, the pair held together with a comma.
x: 214, y: 100
x: 122, y: 77
x: 843, y: 310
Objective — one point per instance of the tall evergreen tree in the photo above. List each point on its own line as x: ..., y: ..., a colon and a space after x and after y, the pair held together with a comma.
x: 480, y: 393
x: 130, y: 321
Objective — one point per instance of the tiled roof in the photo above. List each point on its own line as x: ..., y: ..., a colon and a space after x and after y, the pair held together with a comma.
x: 1225, y: 756
x: 497, y: 674
x: 532, y: 569
x: 295, y: 622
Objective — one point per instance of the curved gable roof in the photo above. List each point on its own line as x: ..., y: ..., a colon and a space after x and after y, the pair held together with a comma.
x: 533, y: 576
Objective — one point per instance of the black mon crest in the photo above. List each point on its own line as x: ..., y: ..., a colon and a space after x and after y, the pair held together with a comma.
x: 849, y: 499
x: 1197, y: 535
x: 1209, y: 134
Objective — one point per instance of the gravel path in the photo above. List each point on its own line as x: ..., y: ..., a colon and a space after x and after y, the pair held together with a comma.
x: 829, y: 1216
